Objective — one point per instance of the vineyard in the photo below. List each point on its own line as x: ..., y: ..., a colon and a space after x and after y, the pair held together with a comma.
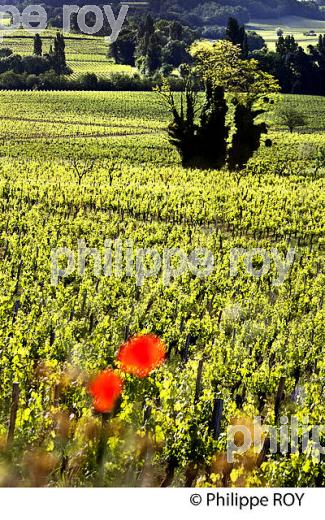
x: 85, y: 54
x: 98, y: 167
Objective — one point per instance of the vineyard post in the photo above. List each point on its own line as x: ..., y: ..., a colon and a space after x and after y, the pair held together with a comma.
x: 170, y: 472
x: 278, y: 398
x: 102, y: 449
x: 56, y: 394
x: 13, y: 413
x: 277, y: 406
x: 198, y: 381
x: 216, y: 417
x: 146, y: 472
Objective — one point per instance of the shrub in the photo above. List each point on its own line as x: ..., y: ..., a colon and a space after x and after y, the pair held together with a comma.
x: 5, y: 52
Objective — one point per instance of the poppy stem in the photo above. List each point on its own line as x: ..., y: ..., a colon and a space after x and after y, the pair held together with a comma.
x: 101, y: 451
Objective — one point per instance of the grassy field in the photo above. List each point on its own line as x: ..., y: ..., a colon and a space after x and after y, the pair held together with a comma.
x: 291, y: 25
x: 242, y: 333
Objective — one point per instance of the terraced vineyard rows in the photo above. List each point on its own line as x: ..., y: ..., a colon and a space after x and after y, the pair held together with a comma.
x: 85, y: 54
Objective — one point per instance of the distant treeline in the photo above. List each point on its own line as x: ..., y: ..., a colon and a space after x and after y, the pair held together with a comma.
x: 159, y: 49
x: 163, y: 45
x: 204, y: 13
x: 51, y: 81
x: 298, y: 71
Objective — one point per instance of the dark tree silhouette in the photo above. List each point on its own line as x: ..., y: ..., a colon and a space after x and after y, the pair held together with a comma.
x: 183, y: 131
x: 201, y: 145
x: 248, y: 134
x: 237, y: 35
x: 213, y: 132
x: 38, y: 46
x: 200, y: 135
x: 58, y: 58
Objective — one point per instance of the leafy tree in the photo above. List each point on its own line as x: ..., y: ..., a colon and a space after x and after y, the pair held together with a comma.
x: 35, y: 65
x: 318, y: 57
x: 12, y: 63
x: 5, y: 52
x: 286, y: 45
x: 305, y: 73
x: 57, y: 57
x: 153, y: 45
x: 321, y: 45
x: 213, y: 132
x: 222, y: 65
x: 246, y: 139
x: 154, y: 51
x: 123, y: 49
x: 255, y: 41
x: 199, y: 133
x: 90, y: 81
x: 38, y: 45
x: 183, y: 129
x: 175, y: 53
x: 176, y: 31
x: 236, y: 34
x: 145, y: 34
x: 290, y: 117
x: 222, y: 69
x: 297, y: 71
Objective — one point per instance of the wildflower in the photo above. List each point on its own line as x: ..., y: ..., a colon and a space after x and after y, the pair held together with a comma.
x: 140, y: 355
x: 105, y: 389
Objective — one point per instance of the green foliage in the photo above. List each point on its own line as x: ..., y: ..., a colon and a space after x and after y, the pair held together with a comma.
x: 222, y: 65
x: 296, y: 70
x: 152, y: 45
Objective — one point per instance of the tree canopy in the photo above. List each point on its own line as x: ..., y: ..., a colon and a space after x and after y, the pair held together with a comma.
x: 200, y: 134
x: 222, y: 65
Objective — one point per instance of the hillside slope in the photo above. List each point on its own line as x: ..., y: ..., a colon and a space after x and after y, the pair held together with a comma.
x: 212, y: 12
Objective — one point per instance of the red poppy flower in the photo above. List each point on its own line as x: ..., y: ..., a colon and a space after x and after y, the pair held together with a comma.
x: 141, y: 355
x: 105, y: 389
